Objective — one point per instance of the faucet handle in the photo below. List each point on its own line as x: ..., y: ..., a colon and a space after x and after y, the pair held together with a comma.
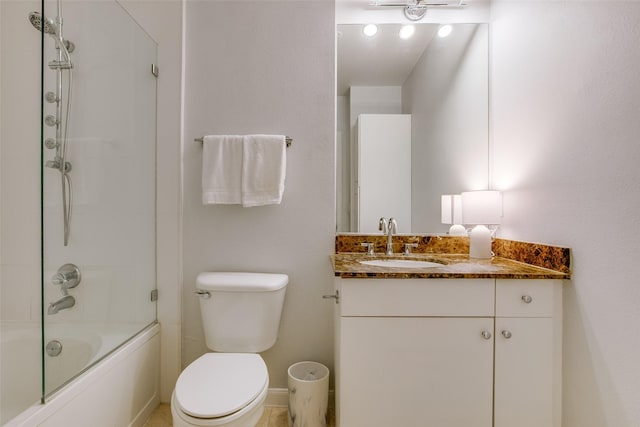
x: 408, y: 246
x: 369, y: 247
x: 59, y: 279
x: 68, y: 276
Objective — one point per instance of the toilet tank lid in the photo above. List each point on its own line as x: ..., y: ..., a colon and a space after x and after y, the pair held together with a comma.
x: 241, y: 282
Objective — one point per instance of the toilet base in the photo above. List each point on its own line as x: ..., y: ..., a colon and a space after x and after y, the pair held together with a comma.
x: 246, y: 417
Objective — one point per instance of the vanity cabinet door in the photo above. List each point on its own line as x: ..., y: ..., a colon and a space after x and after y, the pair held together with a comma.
x: 416, y: 372
x: 524, y: 383
x: 528, y: 353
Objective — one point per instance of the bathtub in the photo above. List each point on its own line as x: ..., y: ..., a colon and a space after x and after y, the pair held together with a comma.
x: 119, y: 391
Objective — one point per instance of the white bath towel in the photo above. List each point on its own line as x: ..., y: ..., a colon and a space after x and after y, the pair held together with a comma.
x: 222, y: 169
x: 263, y: 169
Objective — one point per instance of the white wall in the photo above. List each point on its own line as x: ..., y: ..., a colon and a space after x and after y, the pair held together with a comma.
x: 268, y: 67
x: 20, y: 169
x: 447, y: 94
x: 163, y: 21
x: 566, y: 104
x: 343, y: 165
x: 112, y: 122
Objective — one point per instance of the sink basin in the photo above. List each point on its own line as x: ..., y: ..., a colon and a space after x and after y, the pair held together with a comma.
x: 401, y: 263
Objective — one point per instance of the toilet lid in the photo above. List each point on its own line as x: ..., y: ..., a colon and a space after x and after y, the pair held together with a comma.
x: 219, y: 384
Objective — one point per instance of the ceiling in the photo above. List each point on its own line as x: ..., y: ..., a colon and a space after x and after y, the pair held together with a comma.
x: 381, y: 60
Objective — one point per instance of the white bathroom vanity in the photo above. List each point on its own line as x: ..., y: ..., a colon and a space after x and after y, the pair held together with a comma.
x: 479, y: 352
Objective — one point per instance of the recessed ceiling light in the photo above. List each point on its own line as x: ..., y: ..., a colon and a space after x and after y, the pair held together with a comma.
x: 406, y: 31
x: 445, y: 30
x: 370, y: 30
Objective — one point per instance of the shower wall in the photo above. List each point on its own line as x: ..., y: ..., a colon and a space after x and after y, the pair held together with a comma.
x: 111, y: 147
x: 20, y: 167
x: 19, y: 186
x: 100, y: 178
x: 112, y: 151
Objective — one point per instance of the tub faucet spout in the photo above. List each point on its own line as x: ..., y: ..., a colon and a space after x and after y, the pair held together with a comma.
x: 63, y: 303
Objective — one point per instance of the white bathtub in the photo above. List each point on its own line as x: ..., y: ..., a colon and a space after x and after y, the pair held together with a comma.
x: 119, y: 391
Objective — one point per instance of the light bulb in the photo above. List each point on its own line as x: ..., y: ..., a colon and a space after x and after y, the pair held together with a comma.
x: 370, y: 30
x: 406, y: 31
x: 445, y: 30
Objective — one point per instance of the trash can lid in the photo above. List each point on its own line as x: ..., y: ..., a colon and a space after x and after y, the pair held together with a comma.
x: 219, y: 384
x: 308, y: 371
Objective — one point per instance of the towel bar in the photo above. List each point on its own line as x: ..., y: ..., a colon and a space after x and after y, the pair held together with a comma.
x: 287, y: 139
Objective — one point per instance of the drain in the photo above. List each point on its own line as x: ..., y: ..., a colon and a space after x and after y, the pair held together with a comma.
x: 54, y: 348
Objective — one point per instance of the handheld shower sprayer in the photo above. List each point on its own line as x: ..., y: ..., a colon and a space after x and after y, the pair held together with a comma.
x: 40, y: 24
x: 60, y: 121
x: 47, y: 25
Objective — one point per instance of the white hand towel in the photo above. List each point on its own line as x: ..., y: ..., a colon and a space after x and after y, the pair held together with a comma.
x: 264, y: 168
x: 222, y: 169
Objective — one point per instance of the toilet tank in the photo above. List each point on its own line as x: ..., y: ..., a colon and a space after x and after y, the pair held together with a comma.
x: 242, y: 312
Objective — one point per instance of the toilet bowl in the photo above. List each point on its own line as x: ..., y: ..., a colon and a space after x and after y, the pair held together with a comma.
x: 240, y: 315
x: 221, y: 389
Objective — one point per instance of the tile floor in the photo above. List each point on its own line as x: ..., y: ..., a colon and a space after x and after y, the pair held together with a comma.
x: 273, y: 416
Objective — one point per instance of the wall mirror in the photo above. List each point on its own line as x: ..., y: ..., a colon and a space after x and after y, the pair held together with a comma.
x: 412, y: 122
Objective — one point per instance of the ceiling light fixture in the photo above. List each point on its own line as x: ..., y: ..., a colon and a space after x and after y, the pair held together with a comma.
x: 414, y: 10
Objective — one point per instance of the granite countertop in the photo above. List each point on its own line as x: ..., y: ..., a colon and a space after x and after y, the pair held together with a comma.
x: 347, y: 265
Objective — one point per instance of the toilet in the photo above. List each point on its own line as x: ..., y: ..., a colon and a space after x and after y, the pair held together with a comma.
x: 241, y: 316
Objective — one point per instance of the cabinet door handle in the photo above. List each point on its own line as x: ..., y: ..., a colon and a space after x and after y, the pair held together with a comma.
x: 486, y: 335
x: 527, y: 299
x: 506, y: 334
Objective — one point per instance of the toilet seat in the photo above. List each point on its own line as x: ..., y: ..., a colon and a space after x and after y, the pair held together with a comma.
x: 220, y: 384
x: 246, y: 417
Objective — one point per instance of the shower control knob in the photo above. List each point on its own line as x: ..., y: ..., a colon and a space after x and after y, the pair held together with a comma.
x: 50, y: 143
x: 68, y: 276
x: 50, y: 120
x: 51, y: 97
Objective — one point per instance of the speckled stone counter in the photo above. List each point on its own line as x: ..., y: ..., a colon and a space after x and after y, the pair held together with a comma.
x: 514, y: 260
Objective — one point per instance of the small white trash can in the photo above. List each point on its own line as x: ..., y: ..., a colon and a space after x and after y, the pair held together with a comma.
x: 308, y: 394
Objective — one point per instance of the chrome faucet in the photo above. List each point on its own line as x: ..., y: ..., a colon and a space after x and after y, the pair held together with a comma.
x: 67, y: 277
x: 66, y: 301
x: 392, y: 228
x: 382, y: 225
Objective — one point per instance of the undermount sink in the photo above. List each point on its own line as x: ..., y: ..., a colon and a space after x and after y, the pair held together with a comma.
x: 401, y: 263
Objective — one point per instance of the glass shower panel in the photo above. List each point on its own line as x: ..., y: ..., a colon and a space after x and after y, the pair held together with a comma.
x: 97, y: 287
x: 20, y: 323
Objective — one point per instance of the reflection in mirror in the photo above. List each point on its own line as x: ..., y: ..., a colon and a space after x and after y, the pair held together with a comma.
x: 439, y: 88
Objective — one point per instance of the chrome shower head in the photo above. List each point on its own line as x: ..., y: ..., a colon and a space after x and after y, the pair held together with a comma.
x: 40, y: 24
x: 45, y: 24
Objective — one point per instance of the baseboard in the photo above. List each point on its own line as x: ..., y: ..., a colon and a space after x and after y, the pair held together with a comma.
x: 146, y: 411
x: 280, y: 397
